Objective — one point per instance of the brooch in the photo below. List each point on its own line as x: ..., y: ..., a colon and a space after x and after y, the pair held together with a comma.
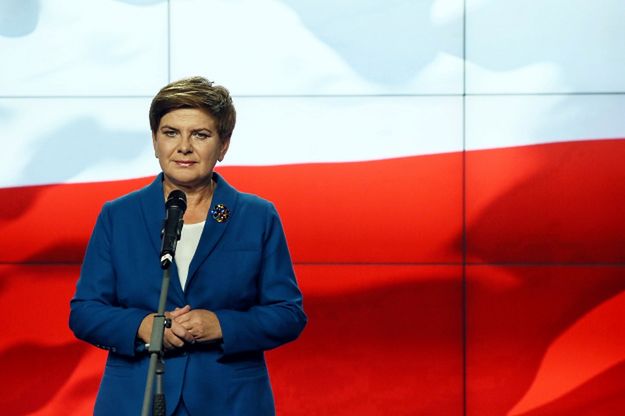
x: 220, y: 213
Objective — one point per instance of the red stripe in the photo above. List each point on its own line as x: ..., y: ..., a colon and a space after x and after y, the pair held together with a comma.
x: 404, y: 210
x: 562, y: 202
x: 558, y: 202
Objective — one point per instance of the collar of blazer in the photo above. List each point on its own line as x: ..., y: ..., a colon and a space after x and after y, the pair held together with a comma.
x: 153, y: 208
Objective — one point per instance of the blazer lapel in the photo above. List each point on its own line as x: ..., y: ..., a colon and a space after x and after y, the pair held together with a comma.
x: 153, y: 209
x: 227, y: 196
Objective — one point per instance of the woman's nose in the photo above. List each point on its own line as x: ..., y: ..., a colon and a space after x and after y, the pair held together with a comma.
x: 185, y: 146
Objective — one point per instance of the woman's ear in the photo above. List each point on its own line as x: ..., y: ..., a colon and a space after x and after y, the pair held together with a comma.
x: 224, y: 149
x: 154, y: 144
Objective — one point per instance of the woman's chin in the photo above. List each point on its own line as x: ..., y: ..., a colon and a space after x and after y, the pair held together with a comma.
x: 187, y: 180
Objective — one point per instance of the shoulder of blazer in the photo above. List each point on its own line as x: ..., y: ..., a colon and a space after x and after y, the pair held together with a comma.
x: 241, y: 201
x: 254, y: 201
x: 137, y: 212
x: 132, y: 199
x: 252, y: 209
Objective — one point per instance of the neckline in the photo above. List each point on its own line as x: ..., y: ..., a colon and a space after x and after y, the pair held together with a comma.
x: 195, y: 224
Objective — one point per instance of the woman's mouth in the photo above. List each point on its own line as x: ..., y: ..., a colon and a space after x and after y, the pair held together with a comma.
x: 184, y: 163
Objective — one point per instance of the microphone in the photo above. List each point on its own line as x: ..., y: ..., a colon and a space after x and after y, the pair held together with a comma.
x: 175, y: 207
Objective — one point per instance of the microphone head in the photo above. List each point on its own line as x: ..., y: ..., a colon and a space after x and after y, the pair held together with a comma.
x: 177, y: 198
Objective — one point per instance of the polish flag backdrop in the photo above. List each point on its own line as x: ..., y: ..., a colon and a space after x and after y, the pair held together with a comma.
x: 451, y: 184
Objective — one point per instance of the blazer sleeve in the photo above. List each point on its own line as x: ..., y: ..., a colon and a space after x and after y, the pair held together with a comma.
x: 95, y: 315
x: 279, y: 316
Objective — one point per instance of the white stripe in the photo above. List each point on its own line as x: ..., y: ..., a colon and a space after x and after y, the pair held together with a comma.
x: 503, y: 121
x: 298, y: 130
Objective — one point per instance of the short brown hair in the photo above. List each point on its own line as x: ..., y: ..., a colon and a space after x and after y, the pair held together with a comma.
x: 195, y: 92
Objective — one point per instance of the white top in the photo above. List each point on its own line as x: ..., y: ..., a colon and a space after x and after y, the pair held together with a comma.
x: 189, y: 240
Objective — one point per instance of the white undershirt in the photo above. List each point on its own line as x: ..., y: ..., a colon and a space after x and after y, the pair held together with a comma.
x: 189, y: 240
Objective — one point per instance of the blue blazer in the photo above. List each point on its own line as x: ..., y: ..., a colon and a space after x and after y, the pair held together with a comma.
x: 241, y: 270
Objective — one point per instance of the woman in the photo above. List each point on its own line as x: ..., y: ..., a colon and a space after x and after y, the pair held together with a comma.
x: 233, y: 293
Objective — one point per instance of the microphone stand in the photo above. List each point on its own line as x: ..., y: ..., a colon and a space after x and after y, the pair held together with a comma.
x: 175, y: 207
x: 157, y: 362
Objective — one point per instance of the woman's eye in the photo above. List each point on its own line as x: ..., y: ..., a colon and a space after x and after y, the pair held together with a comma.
x: 201, y: 135
x: 169, y: 133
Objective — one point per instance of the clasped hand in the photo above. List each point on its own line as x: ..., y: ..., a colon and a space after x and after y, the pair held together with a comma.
x: 188, y: 326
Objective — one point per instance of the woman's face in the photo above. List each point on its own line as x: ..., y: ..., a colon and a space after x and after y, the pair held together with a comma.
x: 188, y: 147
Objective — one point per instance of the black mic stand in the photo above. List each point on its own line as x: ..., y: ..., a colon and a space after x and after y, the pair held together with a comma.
x: 157, y: 362
x: 175, y: 207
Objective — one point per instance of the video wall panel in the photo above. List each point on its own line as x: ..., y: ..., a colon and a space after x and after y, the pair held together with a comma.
x: 76, y: 48
x: 448, y: 174
x: 274, y: 47
x: 554, y: 46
